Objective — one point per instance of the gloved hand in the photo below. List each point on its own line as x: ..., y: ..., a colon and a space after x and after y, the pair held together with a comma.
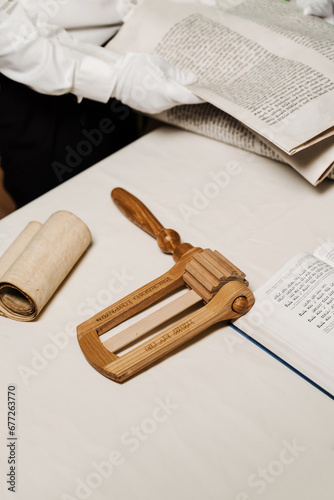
x: 148, y: 83
x: 319, y: 8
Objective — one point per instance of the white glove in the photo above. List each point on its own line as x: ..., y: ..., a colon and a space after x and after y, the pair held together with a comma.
x: 148, y: 83
x: 319, y: 8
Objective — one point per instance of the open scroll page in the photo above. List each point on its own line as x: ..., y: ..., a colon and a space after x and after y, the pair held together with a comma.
x: 264, y: 63
x: 313, y: 163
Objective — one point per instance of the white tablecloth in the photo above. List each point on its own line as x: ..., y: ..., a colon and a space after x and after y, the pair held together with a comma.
x: 220, y: 419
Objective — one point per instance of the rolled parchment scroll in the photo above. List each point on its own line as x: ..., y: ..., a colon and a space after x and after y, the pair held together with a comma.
x: 38, y: 261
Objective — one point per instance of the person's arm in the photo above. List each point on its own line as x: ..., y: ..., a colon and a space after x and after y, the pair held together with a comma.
x: 43, y: 64
x: 49, y: 61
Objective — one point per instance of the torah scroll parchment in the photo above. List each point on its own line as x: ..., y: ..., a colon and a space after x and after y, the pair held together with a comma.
x: 38, y: 261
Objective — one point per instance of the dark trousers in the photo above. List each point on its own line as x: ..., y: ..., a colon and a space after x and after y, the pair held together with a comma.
x: 45, y: 140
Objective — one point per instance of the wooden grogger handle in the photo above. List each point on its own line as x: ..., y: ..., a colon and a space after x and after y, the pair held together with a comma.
x: 169, y: 241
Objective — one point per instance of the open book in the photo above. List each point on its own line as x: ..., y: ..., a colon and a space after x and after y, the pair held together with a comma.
x: 263, y: 63
x: 293, y: 315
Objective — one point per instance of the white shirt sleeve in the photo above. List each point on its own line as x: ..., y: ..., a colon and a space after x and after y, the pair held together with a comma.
x: 47, y: 59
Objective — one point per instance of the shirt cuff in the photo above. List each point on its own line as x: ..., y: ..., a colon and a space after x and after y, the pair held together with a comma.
x: 94, y: 79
